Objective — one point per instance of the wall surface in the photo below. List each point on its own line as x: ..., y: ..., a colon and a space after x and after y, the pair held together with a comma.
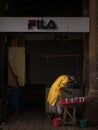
x: 16, y: 60
x: 49, y: 59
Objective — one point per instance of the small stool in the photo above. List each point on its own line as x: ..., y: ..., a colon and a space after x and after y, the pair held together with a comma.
x: 69, y: 117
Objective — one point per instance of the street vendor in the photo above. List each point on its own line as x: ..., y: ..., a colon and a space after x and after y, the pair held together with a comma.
x: 55, y: 94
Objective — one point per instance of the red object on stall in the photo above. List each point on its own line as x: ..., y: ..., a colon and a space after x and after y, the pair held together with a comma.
x: 69, y: 102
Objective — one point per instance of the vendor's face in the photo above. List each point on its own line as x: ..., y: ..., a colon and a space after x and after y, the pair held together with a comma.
x: 71, y: 79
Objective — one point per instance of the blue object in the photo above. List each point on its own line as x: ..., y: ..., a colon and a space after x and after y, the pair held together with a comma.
x: 13, y: 101
x: 83, y: 123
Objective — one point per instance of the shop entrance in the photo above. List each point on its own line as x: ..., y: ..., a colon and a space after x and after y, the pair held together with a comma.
x: 46, y: 57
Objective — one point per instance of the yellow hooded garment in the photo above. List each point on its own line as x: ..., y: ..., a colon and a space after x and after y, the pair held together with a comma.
x: 54, y: 91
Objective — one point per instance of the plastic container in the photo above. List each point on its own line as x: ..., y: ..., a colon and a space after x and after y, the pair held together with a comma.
x: 83, y: 123
x: 57, y: 122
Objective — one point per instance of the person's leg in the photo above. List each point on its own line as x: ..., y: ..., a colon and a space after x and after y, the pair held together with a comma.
x: 52, y: 111
x: 59, y: 109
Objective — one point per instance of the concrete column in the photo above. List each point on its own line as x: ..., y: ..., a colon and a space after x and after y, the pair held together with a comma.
x: 93, y: 58
x: 86, y: 51
x: 85, y: 64
x: 92, y: 96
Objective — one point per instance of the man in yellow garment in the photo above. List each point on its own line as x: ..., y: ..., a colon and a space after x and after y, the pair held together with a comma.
x: 55, y: 92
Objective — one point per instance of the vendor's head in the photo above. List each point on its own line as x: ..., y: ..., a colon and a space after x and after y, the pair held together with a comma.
x: 70, y: 82
x: 71, y: 78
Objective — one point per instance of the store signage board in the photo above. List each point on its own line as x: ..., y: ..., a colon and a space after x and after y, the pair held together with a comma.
x: 44, y: 24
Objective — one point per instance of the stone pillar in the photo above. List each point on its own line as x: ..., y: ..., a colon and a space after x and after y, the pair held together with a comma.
x: 86, y: 51
x: 92, y: 96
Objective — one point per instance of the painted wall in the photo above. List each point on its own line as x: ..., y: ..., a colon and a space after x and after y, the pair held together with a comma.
x: 16, y: 59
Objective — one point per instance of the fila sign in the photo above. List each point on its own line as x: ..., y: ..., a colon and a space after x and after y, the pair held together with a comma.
x: 44, y: 24
x: 41, y: 24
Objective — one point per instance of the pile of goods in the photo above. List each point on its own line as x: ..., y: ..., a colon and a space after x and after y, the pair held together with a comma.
x: 73, y: 85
